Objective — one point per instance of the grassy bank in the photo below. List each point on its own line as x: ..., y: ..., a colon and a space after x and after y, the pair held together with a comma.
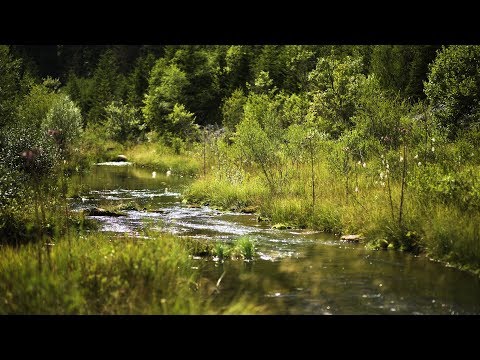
x: 95, y: 274
x: 437, y: 214
x: 96, y: 147
x: 161, y: 158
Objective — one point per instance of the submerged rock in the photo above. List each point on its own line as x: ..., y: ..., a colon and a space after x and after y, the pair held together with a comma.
x: 101, y: 212
x: 352, y: 238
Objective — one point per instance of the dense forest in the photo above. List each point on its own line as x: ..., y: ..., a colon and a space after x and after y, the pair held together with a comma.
x: 376, y: 140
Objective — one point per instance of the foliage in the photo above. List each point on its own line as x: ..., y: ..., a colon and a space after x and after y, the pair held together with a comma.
x: 166, y: 88
x: 108, y: 85
x: 244, y: 246
x: 64, y: 122
x: 124, y: 122
x: 453, y: 87
x: 335, y: 87
x: 232, y: 109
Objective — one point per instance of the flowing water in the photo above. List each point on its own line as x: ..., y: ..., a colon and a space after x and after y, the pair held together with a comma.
x: 295, y: 271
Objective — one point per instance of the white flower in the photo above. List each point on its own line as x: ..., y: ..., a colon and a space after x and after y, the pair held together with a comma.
x: 419, y: 163
x: 401, y: 158
x: 382, y: 175
x: 416, y: 157
x: 365, y: 165
x: 433, y: 148
x: 356, y: 188
x: 388, y: 166
x: 433, y: 139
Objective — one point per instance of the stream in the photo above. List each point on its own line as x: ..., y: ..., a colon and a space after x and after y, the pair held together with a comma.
x: 295, y: 271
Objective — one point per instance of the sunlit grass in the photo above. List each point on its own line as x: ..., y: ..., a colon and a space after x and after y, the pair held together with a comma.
x: 433, y: 221
x: 163, y: 159
x: 99, y: 275
x: 244, y: 247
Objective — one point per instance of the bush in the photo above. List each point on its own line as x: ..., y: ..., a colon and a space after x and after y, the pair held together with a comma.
x: 124, y: 122
x: 64, y: 122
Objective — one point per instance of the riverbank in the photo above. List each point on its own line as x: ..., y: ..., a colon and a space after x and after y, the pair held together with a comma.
x: 430, y: 227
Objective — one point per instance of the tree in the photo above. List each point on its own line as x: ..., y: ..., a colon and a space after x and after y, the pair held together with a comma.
x: 335, y: 88
x: 107, y: 86
x: 10, y: 81
x: 453, y: 87
x: 138, y: 80
x: 64, y: 123
x: 181, y: 124
x: 300, y: 62
x: 34, y: 106
x: 402, y: 68
x: 232, y: 109
x: 167, y: 86
x: 123, y: 122
x: 260, y: 135
x: 237, y: 69
x: 201, y: 67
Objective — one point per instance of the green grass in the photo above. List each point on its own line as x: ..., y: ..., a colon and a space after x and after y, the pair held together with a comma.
x: 440, y: 221
x: 161, y: 158
x: 225, y: 194
x: 100, y: 275
x: 454, y: 237
x: 244, y: 247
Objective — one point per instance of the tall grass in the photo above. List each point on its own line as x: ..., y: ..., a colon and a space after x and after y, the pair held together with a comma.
x: 226, y: 194
x: 417, y: 208
x: 100, y: 275
x: 161, y: 158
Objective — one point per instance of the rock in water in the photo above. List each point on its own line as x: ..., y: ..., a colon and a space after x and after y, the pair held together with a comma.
x: 281, y: 226
x: 352, y: 238
x: 121, y: 158
x: 101, y: 212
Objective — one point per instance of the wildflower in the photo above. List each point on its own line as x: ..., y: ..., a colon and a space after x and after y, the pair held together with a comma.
x: 356, y: 188
x: 382, y: 175
x: 433, y: 139
x: 401, y: 158
x: 387, y: 166
x: 433, y: 148
x: 419, y: 163
x: 365, y: 165
x: 416, y: 157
